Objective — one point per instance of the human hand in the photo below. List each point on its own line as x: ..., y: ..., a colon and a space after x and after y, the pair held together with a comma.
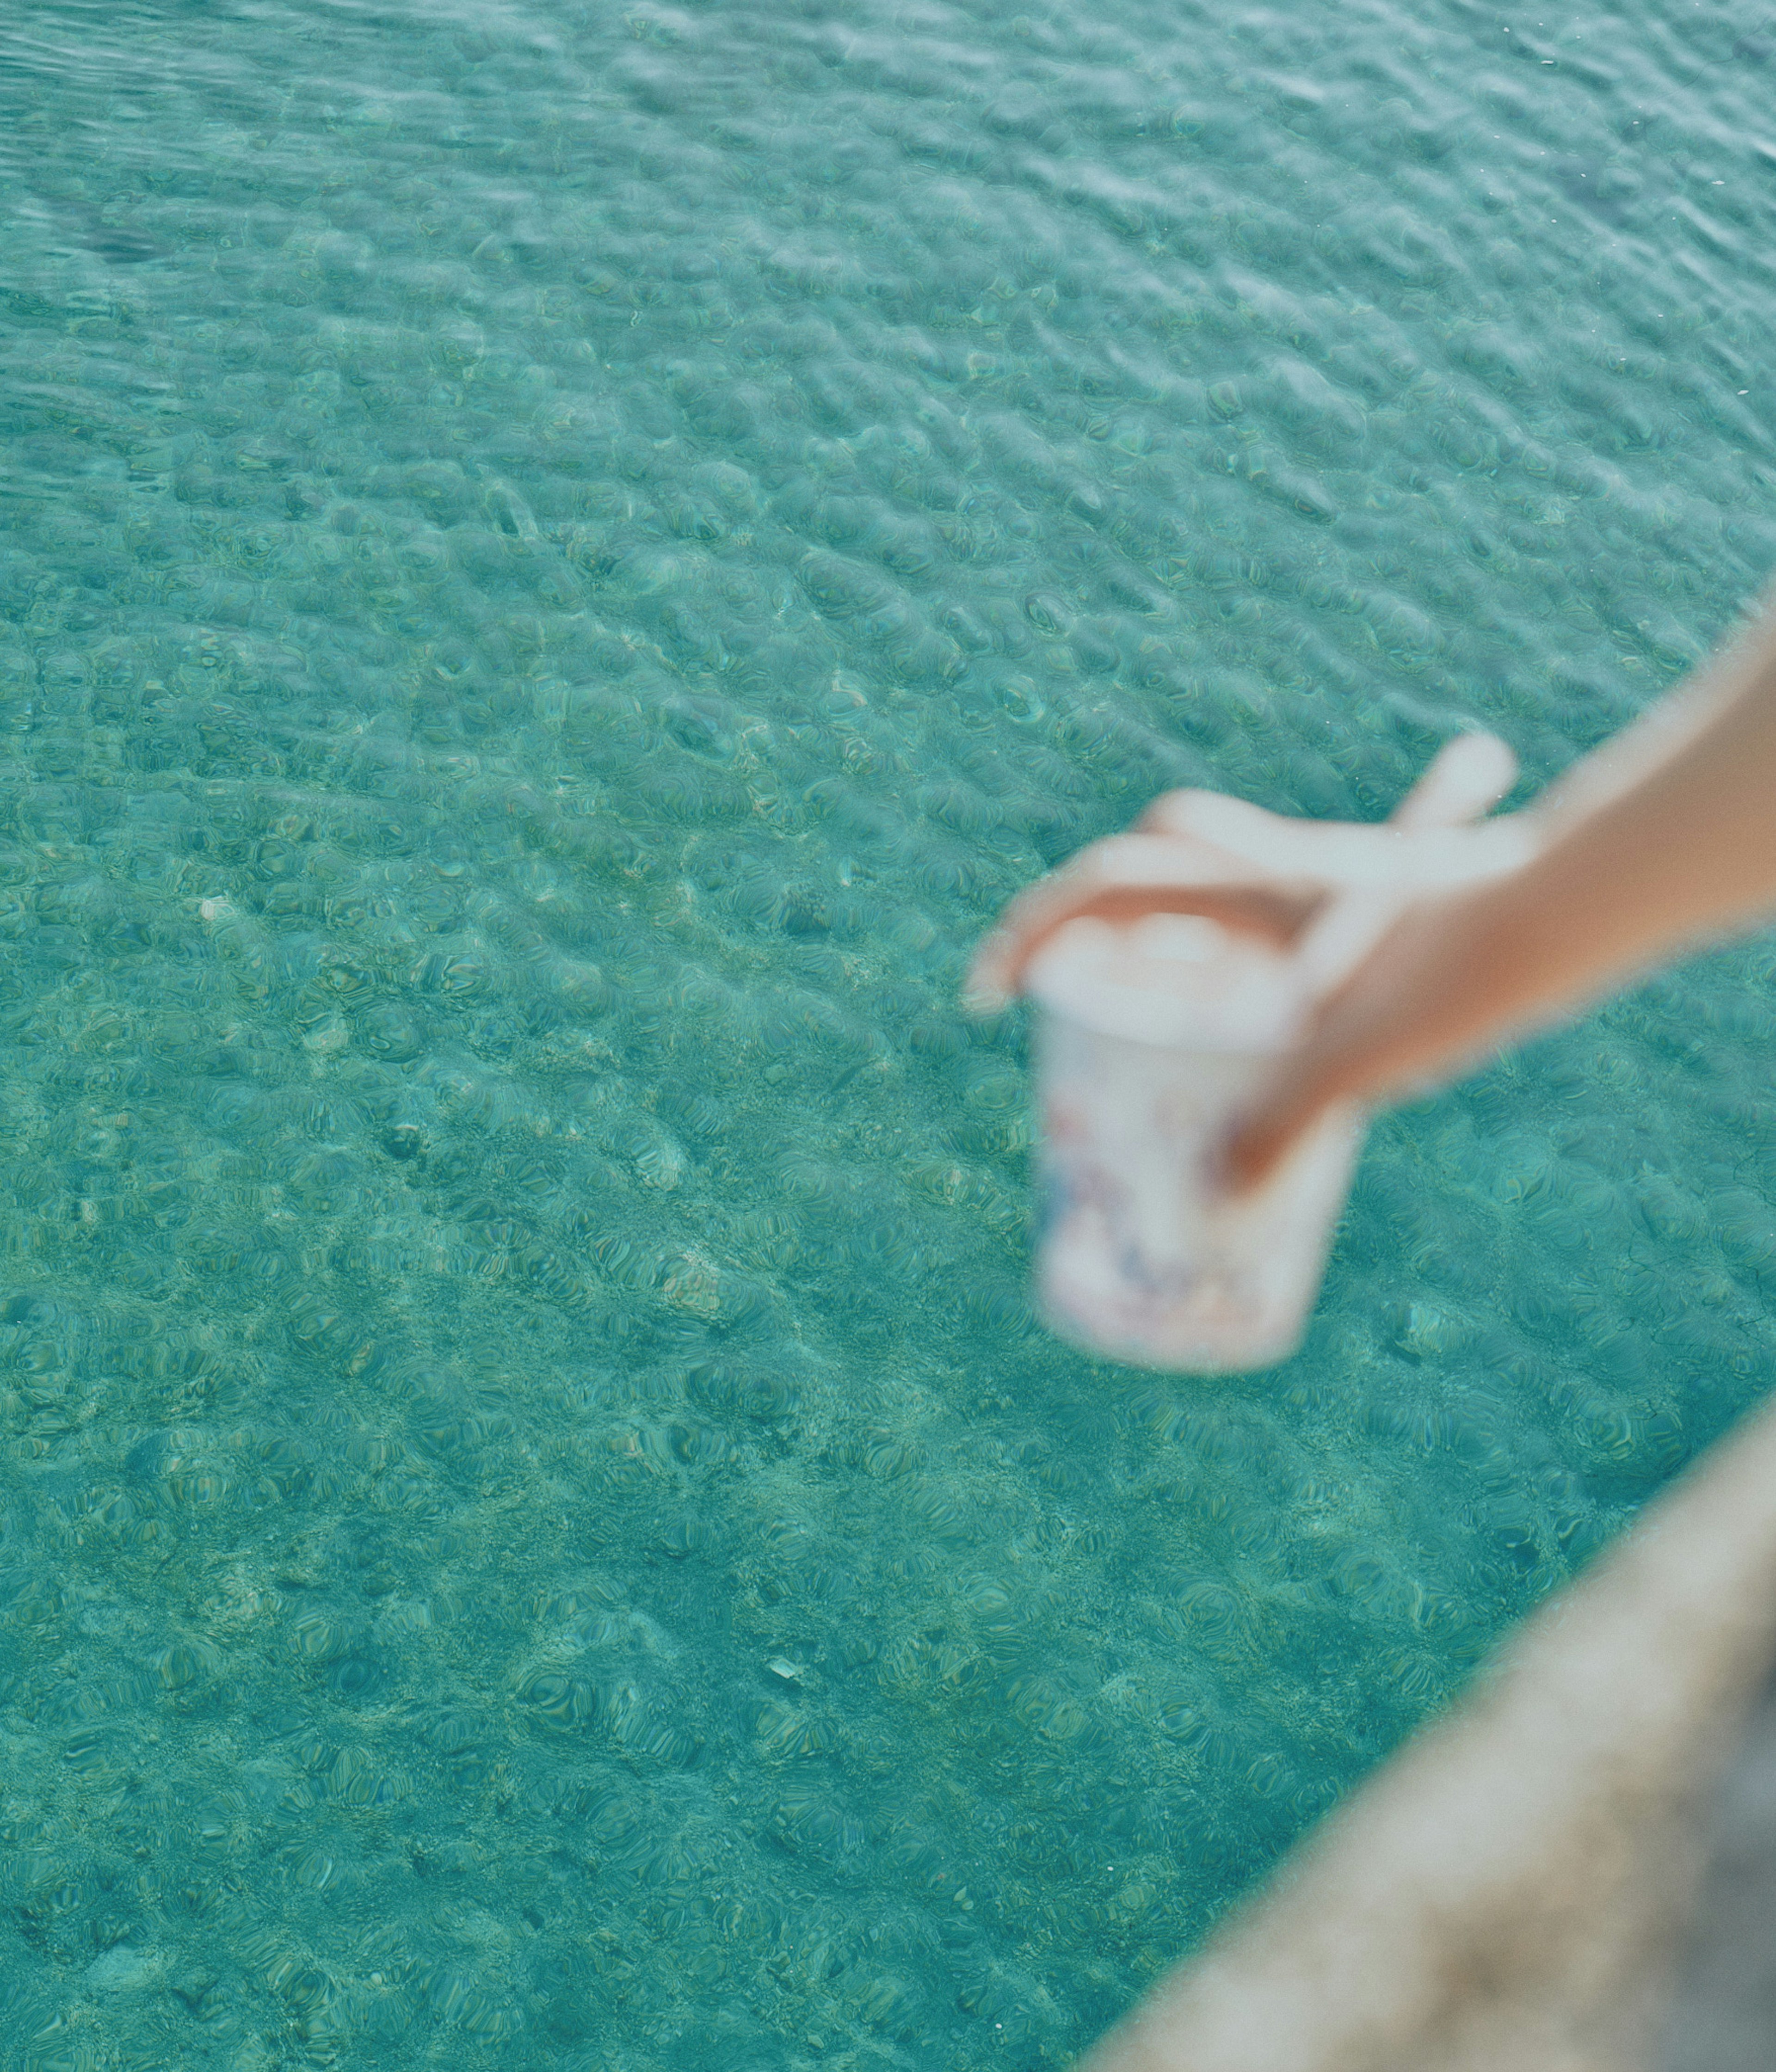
x: 1327, y: 890
x: 1195, y: 852
x: 1400, y: 1022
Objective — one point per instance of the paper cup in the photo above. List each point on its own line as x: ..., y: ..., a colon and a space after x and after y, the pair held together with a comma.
x: 1144, y: 1061
x: 1141, y: 1255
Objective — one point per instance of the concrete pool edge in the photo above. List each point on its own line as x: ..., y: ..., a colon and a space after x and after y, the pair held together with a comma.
x: 1513, y: 1888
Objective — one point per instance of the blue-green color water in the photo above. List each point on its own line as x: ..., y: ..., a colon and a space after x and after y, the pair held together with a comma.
x: 558, y: 563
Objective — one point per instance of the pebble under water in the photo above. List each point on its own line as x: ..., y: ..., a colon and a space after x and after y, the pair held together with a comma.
x: 557, y: 562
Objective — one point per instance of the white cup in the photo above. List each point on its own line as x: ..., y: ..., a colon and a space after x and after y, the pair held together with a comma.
x: 1142, y: 1254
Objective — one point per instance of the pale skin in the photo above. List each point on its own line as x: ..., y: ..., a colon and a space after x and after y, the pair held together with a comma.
x: 1656, y: 843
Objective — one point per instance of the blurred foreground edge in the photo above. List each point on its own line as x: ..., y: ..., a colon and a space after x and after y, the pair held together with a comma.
x: 1573, y: 1871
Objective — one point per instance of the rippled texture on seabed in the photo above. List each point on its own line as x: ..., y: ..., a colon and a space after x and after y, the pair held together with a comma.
x: 558, y: 562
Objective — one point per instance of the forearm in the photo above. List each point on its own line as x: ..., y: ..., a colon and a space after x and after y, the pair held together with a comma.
x: 1658, y: 842
x: 1744, y: 665
x: 1632, y: 872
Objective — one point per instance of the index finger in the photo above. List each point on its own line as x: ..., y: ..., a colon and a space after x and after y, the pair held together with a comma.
x: 1125, y: 879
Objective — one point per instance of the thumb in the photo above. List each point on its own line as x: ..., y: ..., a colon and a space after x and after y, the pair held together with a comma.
x: 1346, y: 1058
x: 1264, y: 1136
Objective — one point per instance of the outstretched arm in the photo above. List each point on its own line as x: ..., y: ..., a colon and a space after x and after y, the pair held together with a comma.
x: 1664, y: 836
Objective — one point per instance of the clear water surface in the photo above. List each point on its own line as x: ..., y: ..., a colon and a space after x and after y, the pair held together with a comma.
x: 558, y: 561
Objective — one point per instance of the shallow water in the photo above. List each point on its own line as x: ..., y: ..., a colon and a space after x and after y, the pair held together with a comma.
x: 559, y: 562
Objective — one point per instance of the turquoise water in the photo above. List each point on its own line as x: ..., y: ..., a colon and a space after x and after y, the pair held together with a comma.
x: 558, y: 564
